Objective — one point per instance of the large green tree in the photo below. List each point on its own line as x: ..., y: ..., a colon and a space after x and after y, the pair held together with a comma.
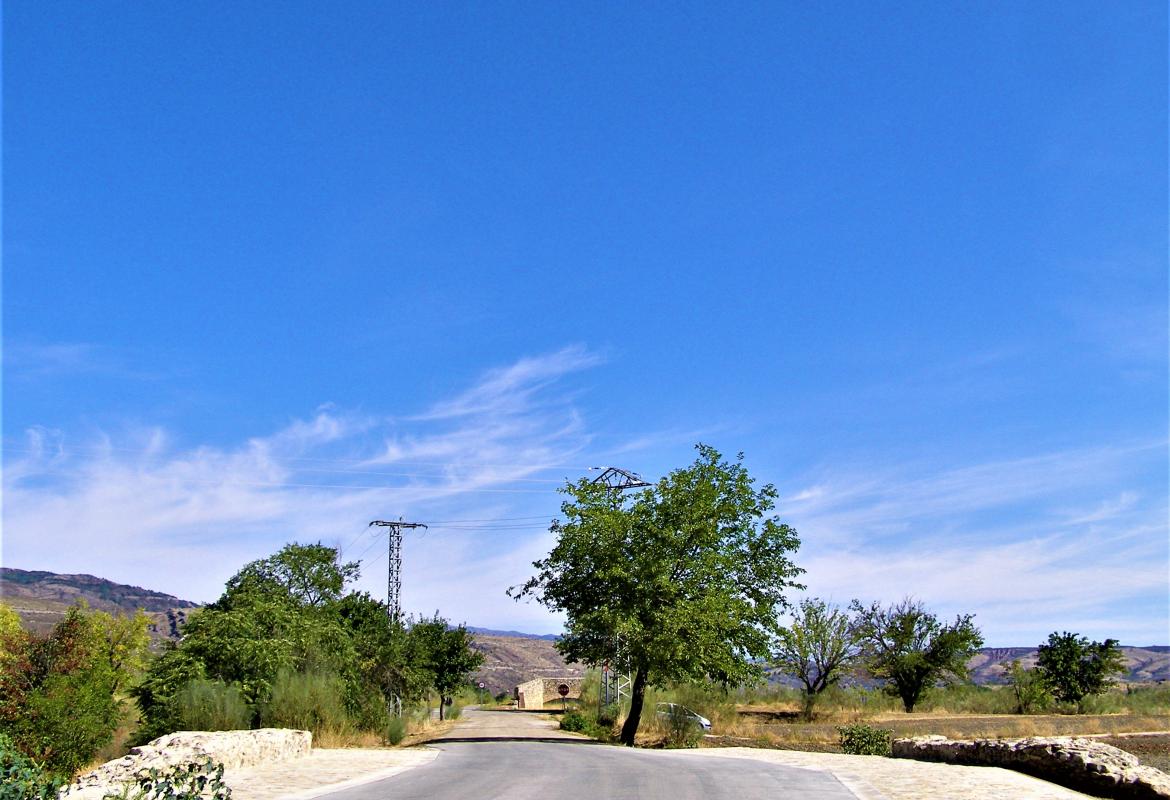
x: 1072, y: 667
x: 680, y: 582
x: 279, y: 614
x: 911, y: 649
x: 817, y: 648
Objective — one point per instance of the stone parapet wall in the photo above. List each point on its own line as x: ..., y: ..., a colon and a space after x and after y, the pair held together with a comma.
x: 1081, y: 764
x: 233, y: 749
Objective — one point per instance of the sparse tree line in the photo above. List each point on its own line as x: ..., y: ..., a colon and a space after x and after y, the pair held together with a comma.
x: 910, y: 650
x: 686, y: 581
x: 286, y: 645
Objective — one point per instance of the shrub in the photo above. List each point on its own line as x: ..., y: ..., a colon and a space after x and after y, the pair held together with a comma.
x: 574, y: 721
x: 196, y: 780
x: 1028, y: 689
x: 57, y: 693
x: 681, y: 729
x: 21, y: 778
x: 305, y: 701
x: 862, y: 740
x: 608, y: 715
x: 204, y: 705
x: 395, y: 730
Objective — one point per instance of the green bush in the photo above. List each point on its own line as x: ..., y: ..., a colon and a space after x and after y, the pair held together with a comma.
x: 305, y: 701
x: 608, y: 715
x: 862, y: 740
x: 574, y: 721
x: 196, y: 780
x: 681, y: 729
x: 204, y: 705
x: 1027, y: 689
x: 395, y: 730
x: 21, y: 778
x: 57, y: 699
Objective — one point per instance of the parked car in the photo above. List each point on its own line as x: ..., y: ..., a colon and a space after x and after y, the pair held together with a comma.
x: 666, y: 712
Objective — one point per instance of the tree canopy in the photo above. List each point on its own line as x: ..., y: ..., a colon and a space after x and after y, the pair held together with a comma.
x: 445, y: 653
x: 288, y: 619
x: 1072, y: 667
x: 911, y: 649
x: 682, y: 581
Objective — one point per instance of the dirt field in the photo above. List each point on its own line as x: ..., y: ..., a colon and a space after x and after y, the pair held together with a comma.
x: 1153, y: 751
x: 782, y: 729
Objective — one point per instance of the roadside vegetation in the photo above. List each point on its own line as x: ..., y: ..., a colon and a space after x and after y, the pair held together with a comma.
x: 286, y: 645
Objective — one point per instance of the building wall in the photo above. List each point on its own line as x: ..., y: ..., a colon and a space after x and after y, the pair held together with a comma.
x: 539, y: 691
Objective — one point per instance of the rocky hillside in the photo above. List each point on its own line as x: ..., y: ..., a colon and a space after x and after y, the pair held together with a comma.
x: 41, y: 599
x: 511, y: 659
x: 1142, y: 664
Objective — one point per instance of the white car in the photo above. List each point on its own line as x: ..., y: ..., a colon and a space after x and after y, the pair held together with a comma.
x: 667, y: 711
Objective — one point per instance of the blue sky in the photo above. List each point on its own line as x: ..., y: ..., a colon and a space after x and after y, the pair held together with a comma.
x: 271, y: 272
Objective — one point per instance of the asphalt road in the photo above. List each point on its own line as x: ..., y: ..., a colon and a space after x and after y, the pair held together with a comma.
x: 523, y: 758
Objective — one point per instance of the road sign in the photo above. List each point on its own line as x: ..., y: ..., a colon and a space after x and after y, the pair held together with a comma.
x: 563, y: 690
x: 482, y: 685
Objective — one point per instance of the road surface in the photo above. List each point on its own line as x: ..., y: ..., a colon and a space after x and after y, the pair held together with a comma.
x: 502, y: 754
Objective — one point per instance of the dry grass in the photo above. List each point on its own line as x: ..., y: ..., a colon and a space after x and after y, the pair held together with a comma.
x: 339, y: 737
x: 781, y: 726
x: 432, y: 729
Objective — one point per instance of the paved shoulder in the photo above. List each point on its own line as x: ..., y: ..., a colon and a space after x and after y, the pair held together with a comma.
x: 905, y: 779
x: 323, y: 771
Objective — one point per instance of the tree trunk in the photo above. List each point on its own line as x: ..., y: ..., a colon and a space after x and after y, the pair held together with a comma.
x: 810, y: 699
x: 441, y: 699
x: 637, y: 696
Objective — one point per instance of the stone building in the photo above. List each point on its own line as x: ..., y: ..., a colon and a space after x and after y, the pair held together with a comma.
x: 539, y: 691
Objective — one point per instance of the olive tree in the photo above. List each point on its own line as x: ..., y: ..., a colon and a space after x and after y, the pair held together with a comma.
x: 680, y: 582
x: 911, y: 649
x: 817, y: 648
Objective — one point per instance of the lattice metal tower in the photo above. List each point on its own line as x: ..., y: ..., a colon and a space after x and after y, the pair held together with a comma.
x: 614, y: 685
x: 394, y: 573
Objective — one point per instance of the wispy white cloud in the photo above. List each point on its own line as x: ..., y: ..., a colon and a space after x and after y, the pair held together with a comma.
x: 130, y: 507
x: 510, y: 389
x: 1030, y: 544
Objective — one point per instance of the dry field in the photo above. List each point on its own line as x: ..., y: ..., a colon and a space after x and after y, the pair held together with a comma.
x: 781, y: 727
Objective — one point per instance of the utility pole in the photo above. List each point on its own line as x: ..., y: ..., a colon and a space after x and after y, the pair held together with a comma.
x: 614, y: 685
x: 394, y: 574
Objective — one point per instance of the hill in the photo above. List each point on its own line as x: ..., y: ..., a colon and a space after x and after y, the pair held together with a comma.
x: 510, y: 657
x: 41, y: 599
x: 510, y: 660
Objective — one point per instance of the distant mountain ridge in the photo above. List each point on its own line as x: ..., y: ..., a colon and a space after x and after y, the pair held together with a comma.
x: 549, y: 637
x: 42, y: 598
x: 511, y: 657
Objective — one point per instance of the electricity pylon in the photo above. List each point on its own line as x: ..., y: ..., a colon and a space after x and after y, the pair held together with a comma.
x: 394, y: 574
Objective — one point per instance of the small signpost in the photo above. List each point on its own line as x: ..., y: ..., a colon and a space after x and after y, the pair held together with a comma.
x: 563, y: 691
